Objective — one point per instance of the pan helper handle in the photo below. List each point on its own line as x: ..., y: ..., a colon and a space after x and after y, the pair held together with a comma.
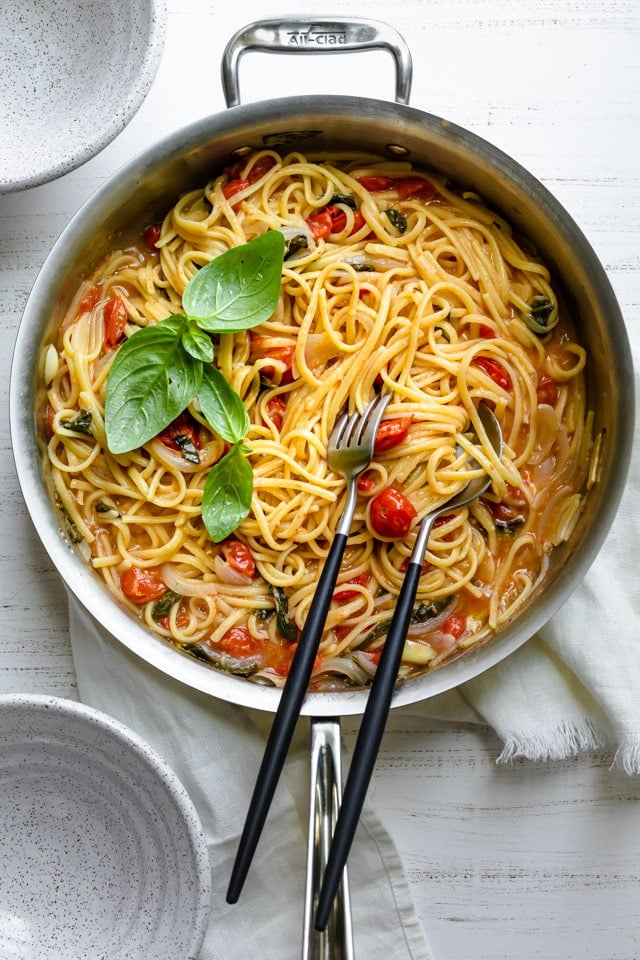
x: 317, y: 35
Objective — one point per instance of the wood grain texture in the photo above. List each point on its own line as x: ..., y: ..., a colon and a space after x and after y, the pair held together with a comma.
x: 520, y: 862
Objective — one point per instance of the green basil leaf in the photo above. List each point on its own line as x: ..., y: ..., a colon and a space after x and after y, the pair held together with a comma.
x: 240, y: 288
x: 197, y: 343
x: 152, y: 379
x: 222, y: 406
x: 286, y: 627
x: 226, y: 499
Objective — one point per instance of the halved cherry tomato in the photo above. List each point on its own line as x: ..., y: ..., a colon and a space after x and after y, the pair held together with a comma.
x: 391, y: 513
x: 414, y: 187
x: 89, y: 300
x: 486, y: 332
x: 391, y: 432
x: 375, y: 184
x: 276, y: 408
x: 115, y: 322
x: 342, y: 595
x: 366, y: 482
x: 331, y: 219
x: 182, y: 619
x: 262, y: 348
x: 234, y: 186
x: 454, y: 625
x: 142, y: 584
x: 151, y: 235
x: 239, y: 557
x: 547, y: 390
x: 240, y: 643
x: 183, y: 426
x: 495, y: 370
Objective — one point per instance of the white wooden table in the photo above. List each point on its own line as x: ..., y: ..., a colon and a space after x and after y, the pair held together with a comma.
x: 519, y: 862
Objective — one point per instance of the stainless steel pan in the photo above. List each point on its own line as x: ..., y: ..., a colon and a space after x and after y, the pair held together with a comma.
x: 148, y: 185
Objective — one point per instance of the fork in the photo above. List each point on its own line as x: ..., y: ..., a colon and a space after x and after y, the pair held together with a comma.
x: 349, y: 452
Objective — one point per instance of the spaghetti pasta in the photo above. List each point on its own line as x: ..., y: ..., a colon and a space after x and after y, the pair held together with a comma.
x: 391, y: 279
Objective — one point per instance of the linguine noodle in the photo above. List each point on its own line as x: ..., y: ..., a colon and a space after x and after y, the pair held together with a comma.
x: 391, y: 281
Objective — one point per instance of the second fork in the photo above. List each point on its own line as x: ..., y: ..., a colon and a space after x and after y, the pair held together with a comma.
x: 349, y: 452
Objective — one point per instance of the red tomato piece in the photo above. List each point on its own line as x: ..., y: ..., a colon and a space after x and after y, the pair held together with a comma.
x: 391, y: 513
x: 390, y: 433
x: 261, y: 349
x: 183, y: 426
x: 276, y: 408
x: 414, y: 187
x: 89, y: 300
x: 115, y: 322
x: 332, y: 219
x: 495, y: 370
x: 454, y: 625
x: 260, y: 167
x: 341, y: 595
x: 234, y: 186
x: 283, y: 667
x: 486, y: 332
x: 366, y: 482
x: 182, y: 619
x: 547, y: 390
x: 239, y: 557
x: 374, y: 184
x: 239, y: 643
x: 151, y: 235
x: 142, y: 584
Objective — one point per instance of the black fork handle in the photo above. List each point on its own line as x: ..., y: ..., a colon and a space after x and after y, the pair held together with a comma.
x: 286, y: 716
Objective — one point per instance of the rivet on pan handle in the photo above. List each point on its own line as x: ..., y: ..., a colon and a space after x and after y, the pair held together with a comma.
x: 317, y: 35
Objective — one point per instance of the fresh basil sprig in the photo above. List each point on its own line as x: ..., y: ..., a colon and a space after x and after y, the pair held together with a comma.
x: 161, y: 369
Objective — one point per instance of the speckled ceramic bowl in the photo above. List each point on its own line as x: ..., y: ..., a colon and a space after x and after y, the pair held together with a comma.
x: 74, y: 73
x: 101, y: 849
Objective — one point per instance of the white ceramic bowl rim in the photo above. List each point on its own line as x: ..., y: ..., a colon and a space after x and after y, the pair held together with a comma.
x: 45, y: 756
x: 29, y: 156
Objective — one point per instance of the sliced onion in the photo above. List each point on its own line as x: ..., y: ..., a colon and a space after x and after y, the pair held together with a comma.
x: 209, y: 454
x: 344, y: 667
x: 299, y: 230
x: 186, y: 586
x: 318, y: 348
x: 227, y: 574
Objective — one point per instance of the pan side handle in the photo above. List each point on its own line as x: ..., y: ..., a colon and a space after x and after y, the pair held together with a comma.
x: 317, y: 35
x: 336, y: 941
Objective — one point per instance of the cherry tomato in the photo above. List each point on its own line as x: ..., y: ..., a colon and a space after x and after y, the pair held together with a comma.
x: 342, y: 595
x: 366, y: 482
x: 240, y: 643
x: 239, y: 557
x: 283, y: 355
x: 495, y: 370
x: 89, y: 300
x: 142, y: 584
x: 151, y: 235
x: 115, y: 322
x: 486, y: 332
x: 258, y: 170
x: 454, y: 625
x: 234, y: 186
x: 276, y: 409
x: 183, y: 426
x: 414, y: 187
x: 547, y: 390
x: 390, y: 433
x: 374, y: 184
x: 332, y: 219
x: 182, y: 619
x: 391, y: 513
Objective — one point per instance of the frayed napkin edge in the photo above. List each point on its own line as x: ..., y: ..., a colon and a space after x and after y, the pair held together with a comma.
x: 568, y: 738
